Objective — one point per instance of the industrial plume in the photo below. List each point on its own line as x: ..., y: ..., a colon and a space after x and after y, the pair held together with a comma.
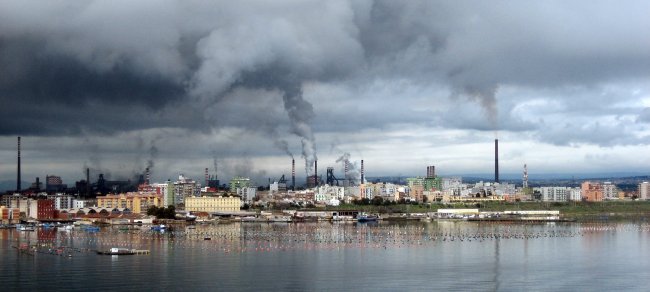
x: 300, y: 113
x: 351, y: 172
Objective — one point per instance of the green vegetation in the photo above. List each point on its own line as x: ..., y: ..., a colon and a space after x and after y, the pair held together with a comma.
x: 571, y: 209
x: 162, y: 212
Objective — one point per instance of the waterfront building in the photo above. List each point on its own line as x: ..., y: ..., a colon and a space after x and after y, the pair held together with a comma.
x: 213, y: 204
x: 326, y: 193
x: 78, y: 204
x: 136, y: 202
x: 239, y: 182
x: 9, y: 215
x: 62, y: 201
x: 610, y: 192
x: 555, y: 194
x: 592, y: 191
x: 184, y: 188
x: 247, y: 193
x: 416, y: 192
x: 575, y: 194
x: 45, y: 209
x: 166, y: 190
x: 644, y: 190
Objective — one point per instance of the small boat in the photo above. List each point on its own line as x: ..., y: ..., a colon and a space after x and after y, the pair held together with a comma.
x: 91, y: 228
x: 160, y: 227
x: 367, y: 218
x: 26, y: 228
x: 207, y: 238
x: 116, y: 251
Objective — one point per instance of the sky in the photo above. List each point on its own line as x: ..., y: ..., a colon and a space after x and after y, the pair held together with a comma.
x: 178, y: 86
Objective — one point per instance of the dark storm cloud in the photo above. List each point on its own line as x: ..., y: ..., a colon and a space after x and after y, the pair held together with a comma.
x: 124, y: 65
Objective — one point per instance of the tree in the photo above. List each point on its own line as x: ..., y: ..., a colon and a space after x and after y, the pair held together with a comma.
x: 377, y: 201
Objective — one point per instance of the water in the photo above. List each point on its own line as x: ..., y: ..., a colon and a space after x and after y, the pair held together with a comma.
x: 443, y: 255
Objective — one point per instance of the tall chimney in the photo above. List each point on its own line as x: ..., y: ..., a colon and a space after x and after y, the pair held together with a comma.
x: 207, y: 177
x: 18, y: 187
x: 347, y: 168
x: 147, y: 176
x: 496, y: 160
x: 293, y: 174
x: 362, y: 172
x: 88, y: 181
x: 315, y: 172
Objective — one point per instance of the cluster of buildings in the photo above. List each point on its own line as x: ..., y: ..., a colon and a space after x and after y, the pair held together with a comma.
x: 188, y: 195
x: 184, y: 194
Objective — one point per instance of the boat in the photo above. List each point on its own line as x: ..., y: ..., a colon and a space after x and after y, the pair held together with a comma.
x: 26, y: 228
x: 367, y: 218
x: 160, y: 227
x: 91, y: 228
x: 116, y: 251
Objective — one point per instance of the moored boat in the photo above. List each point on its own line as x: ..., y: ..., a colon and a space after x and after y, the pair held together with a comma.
x: 116, y: 251
x: 367, y: 218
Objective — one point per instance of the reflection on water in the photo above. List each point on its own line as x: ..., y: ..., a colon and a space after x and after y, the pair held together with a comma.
x: 443, y: 255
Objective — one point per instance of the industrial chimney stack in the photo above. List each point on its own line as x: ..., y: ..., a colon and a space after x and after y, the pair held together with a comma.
x: 315, y: 172
x: 293, y: 174
x: 496, y: 160
x: 147, y: 176
x: 18, y: 187
x: 88, y: 181
x: 362, y: 172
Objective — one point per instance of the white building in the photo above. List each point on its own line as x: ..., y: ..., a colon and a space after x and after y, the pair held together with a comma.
x: 575, y: 194
x: 247, y: 194
x: 555, y: 194
x: 326, y: 193
x: 609, y: 191
x: 644, y: 190
x: 62, y: 202
x: 184, y: 188
x: 78, y: 204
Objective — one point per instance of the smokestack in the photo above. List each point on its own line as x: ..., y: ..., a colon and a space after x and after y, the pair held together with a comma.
x: 87, y: 181
x: 315, y: 172
x: 496, y: 160
x: 347, y: 168
x: 207, y: 177
x: 146, y: 176
x: 362, y: 172
x: 293, y: 174
x: 18, y: 187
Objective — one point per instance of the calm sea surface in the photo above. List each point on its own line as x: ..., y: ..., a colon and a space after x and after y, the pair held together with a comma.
x: 422, y: 256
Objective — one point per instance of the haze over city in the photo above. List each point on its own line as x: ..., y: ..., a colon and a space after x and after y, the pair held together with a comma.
x: 118, y: 86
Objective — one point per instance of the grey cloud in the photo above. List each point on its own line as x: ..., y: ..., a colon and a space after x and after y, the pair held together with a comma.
x: 75, y: 68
